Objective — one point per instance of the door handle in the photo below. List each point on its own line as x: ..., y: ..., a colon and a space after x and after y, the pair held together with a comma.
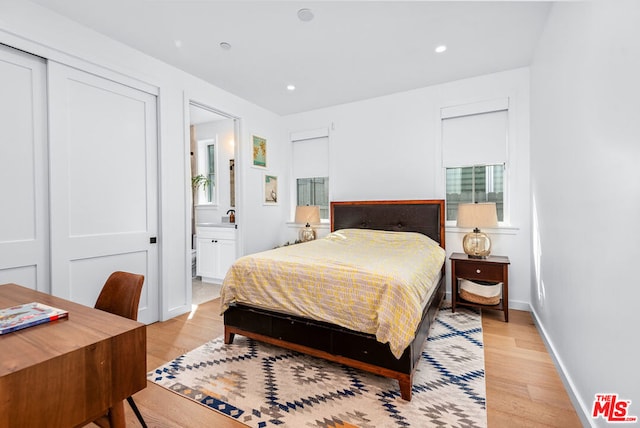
x: 153, y: 240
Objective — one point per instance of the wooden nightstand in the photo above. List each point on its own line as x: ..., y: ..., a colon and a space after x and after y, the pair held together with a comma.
x: 492, y: 269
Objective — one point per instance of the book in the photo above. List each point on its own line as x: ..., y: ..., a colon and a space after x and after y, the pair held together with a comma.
x: 27, y: 315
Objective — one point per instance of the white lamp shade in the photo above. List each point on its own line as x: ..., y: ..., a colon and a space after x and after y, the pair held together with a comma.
x: 477, y: 215
x: 307, y: 214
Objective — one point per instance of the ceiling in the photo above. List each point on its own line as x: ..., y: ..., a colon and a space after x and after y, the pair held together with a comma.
x: 349, y: 51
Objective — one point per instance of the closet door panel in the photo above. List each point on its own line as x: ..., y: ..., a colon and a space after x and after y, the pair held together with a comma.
x: 23, y: 170
x: 104, y: 208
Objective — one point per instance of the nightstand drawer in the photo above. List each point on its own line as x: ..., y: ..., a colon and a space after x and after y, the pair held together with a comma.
x: 479, y: 270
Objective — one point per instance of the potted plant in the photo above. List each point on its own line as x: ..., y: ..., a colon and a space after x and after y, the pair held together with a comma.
x: 197, y: 181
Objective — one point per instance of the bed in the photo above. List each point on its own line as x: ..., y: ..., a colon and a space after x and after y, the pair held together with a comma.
x: 334, y: 341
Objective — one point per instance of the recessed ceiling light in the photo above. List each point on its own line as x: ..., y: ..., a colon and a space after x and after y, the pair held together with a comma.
x: 291, y: 87
x: 225, y: 46
x: 305, y: 15
x: 441, y: 48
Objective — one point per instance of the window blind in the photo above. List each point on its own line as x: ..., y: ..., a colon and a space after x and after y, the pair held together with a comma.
x: 310, y: 156
x: 473, y: 136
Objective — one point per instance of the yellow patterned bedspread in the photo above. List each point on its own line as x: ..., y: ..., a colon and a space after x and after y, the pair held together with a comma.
x: 366, y: 280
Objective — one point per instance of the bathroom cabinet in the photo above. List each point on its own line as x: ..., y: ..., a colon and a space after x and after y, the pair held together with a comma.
x: 215, y: 251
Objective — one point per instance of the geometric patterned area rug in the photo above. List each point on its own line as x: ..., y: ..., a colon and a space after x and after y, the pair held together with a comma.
x: 261, y: 385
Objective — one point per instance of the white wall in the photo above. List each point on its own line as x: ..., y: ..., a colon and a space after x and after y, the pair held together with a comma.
x: 585, y: 152
x: 33, y: 29
x: 389, y: 148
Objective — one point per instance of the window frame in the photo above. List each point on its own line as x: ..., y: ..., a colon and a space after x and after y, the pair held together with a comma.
x: 304, y: 136
x: 478, y: 107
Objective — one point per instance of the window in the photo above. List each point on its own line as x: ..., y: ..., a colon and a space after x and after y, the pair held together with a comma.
x: 480, y: 183
x: 211, y: 172
x: 206, y: 166
x: 310, y: 169
x: 474, y: 154
x: 314, y: 191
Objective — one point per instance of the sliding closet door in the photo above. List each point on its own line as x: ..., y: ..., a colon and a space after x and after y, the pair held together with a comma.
x: 104, y: 196
x: 24, y: 240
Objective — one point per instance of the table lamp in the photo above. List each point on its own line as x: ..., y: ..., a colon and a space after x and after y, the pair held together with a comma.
x: 477, y: 244
x: 307, y: 215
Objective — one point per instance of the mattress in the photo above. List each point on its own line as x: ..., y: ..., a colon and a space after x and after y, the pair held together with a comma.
x: 371, y: 281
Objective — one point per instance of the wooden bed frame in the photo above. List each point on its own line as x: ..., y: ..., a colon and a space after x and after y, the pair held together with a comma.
x: 338, y: 344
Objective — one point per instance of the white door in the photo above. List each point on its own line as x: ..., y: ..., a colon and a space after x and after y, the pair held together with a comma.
x: 24, y: 243
x: 103, y: 184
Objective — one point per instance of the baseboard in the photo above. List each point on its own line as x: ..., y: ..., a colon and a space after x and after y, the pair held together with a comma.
x: 519, y: 306
x: 583, y: 411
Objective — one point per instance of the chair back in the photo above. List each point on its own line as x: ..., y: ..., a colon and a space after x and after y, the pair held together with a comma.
x: 120, y: 295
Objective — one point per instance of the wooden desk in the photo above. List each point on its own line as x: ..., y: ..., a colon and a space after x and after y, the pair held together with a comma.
x: 68, y: 372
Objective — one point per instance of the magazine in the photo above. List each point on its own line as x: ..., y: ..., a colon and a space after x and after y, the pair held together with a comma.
x: 27, y: 315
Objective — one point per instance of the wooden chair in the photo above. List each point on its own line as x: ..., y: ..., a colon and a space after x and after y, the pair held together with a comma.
x: 120, y: 295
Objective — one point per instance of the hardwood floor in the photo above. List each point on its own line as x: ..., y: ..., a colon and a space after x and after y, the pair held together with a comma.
x: 523, y: 387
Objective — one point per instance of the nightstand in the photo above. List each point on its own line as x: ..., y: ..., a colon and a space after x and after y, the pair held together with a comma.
x: 493, y: 269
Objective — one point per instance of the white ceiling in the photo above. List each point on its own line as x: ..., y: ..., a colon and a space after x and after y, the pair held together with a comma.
x: 351, y: 50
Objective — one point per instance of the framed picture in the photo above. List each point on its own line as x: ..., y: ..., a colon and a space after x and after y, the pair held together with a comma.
x: 259, y: 155
x: 270, y: 189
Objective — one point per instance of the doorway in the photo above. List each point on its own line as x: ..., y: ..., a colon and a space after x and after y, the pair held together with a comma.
x: 212, y: 150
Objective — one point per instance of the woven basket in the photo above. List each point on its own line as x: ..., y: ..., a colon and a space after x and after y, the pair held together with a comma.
x: 474, y: 298
x: 469, y: 296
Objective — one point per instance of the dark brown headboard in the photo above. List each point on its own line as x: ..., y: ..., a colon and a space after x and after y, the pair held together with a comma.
x: 422, y: 216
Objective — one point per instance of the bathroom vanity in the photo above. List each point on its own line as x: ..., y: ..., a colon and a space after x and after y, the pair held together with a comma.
x: 215, y: 250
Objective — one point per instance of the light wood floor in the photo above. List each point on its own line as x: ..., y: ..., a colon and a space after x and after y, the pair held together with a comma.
x: 523, y: 387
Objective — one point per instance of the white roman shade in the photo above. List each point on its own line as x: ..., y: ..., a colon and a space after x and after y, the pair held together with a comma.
x: 310, y: 153
x: 475, y: 134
